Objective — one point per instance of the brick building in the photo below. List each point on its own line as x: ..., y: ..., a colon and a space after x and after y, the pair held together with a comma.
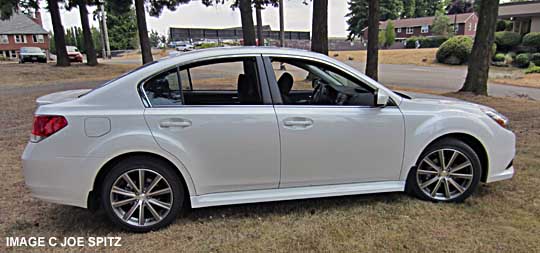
x: 464, y: 24
x: 22, y: 30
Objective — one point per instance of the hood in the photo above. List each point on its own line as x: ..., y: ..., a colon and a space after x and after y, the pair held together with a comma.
x: 436, y: 99
x: 62, y: 96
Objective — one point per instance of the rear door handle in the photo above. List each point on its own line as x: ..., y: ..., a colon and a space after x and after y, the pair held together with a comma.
x: 175, y: 123
x: 298, y: 122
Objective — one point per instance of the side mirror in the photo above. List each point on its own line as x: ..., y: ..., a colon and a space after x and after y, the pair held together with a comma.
x: 381, y: 98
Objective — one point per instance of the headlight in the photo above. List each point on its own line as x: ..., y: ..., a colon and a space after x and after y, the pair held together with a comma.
x: 497, y: 117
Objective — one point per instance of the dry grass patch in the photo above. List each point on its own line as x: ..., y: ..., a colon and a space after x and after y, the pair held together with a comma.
x: 421, y: 56
x: 529, y: 80
x: 501, y: 217
x: 14, y: 75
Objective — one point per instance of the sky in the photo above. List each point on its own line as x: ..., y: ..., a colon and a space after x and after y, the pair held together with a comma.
x: 195, y: 14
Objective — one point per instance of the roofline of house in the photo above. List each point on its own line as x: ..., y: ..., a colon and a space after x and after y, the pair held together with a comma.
x: 519, y: 3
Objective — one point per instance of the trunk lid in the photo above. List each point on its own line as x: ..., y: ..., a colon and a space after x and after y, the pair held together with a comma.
x: 62, y: 96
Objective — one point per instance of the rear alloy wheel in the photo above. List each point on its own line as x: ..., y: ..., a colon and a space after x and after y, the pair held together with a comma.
x: 449, y: 171
x: 142, y: 195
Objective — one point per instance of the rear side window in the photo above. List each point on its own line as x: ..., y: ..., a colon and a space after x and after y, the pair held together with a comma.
x: 164, y: 89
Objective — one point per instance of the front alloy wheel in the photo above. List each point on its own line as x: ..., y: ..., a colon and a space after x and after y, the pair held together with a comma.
x: 448, y: 171
x: 142, y: 194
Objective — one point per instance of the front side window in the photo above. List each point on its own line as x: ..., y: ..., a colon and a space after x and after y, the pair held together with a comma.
x: 215, y: 82
x: 308, y: 83
x: 399, y: 29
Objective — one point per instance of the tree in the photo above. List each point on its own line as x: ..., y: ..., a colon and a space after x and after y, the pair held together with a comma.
x: 358, y: 14
x: 281, y: 25
x: 154, y: 38
x: 372, y: 63
x: 389, y: 34
x: 248, y: 29
x: 478, y: 67
x: 121, y: 24
x: 460, y: 6
x: 441, y: 25
x: 59, y: 36
x: 258, y: 14
x: 319, y: 27
x: 87, y: 44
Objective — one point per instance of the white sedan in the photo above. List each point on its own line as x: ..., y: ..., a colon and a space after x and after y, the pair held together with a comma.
x: 249, y: 124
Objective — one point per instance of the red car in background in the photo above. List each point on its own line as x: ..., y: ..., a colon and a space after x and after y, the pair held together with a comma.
x: 74, y: 54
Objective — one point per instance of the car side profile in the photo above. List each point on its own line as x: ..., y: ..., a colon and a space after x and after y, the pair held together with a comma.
x: 249, y: 124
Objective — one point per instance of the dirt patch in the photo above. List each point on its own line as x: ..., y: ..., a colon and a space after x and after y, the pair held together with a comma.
x: 500, y: 217
x: 17, y: 75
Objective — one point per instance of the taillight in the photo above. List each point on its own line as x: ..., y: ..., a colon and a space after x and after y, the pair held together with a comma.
x: 46, y: 125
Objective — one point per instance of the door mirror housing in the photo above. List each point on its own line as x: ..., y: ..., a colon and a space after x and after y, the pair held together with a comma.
x: 381, y: 98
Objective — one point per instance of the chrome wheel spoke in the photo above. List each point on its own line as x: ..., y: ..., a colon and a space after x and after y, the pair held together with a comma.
x: 132, y: 210
x: 159, y: 203
x: 141, y: 180
x: 141, y: 213
x: 427, y: 172
x: 460, y: 167
x: 159, y: 192
x: 154, y: 183
x: 123, y: 202
x: 451, y: 161
x: 432, y: 164
x: 153, y: 211
x: 441, y: 159
x: 123, y: 192
x: 446, y: 189
x: 130, y: 182
x: 436, y: 188
x: 429, y: 182
x: 456, y: 185
x: 466, y: 176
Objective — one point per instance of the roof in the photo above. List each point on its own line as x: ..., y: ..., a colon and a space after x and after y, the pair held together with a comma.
x: 20, y: 24
x: 519, y: 9
x: 413, y: 22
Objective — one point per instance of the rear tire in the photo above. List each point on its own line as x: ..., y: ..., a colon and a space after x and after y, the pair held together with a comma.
x: 448, y: 170
x: 142, y: 205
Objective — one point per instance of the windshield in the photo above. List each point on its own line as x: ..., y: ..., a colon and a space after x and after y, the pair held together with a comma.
x: 30, y: 50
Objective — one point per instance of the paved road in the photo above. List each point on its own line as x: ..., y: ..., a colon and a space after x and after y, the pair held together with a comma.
x: 435, y: 78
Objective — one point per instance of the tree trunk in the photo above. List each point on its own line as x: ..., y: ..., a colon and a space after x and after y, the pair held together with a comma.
x: 319, y: 27
x: 281, y: 25
x: 478, y: 67
x: 146, y: 50
x: 372, y: 63
x: 91, y: 57
x: 248, y: 29
x: 59, y: 36
x: 259, y: 24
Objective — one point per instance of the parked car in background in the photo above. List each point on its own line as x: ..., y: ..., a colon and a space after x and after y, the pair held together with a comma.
x: 184, y: 47
x: 32, y: 54
x: 74, y: 54
x: 228, y: 126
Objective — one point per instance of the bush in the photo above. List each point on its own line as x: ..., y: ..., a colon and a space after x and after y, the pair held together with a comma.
x: 425, y: 42
x: 522, y: 60
x: 504, y: 25
x: 455, y: 50
x: 532, y: 69
x: 535, y: 58
x: 500, y: 57
x: 507, y: 40
x: 2, y: 58
x: 509, y: 58
x: 532, y: 40
x: 208, y: 45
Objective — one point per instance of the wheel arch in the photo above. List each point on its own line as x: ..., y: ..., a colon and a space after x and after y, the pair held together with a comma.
x: 470, y: 140
x: 93, y: 196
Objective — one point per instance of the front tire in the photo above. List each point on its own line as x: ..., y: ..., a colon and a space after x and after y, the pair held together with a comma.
x: 448, y: 170
x: 142, y: 194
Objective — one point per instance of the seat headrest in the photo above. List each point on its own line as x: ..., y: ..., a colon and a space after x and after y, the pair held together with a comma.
x: 285, y: 83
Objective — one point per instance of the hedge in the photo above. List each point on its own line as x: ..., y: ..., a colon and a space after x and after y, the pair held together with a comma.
x: 425, y: 42
x: 455, y: 50
x: 532, y: 40
x: 507, y: 40
x: 535, y: 58
x: 522, y: 60
x: 500, y: 57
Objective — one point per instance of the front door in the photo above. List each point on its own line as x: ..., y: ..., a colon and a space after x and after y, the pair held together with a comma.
x: 219, y: 122
x: 330, y: 131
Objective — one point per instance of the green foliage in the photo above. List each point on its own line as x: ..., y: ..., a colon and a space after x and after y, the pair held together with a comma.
x: 507, y: 40
x: 96, y: 38
x: 358, y: 14
x: 2, y: 58
x: 532, y: 40
x: 504, y: 25
x: 532, y: 69
x: 74, y: 37
x: 121, y: 24
x: 455, y: 50
x: 425, y: 42
x: 382, y: 39
x: 441, y: 25
x: 500, y: 57
x: 522, y: 60
x: 154, y: 38
x: 535, y: 58
x: 208, y: 45
x: 389, y: 34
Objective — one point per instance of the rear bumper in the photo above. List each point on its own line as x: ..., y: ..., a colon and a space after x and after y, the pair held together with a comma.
x: 502, y: 175
x: 63, y: 180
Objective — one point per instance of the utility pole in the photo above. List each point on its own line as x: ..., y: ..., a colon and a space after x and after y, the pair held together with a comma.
x: 281, y: 25
x: 104, y: 32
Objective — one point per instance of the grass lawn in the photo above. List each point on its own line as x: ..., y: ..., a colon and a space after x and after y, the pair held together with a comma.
x: 500, y: 217
x: 421, y: 56
x: 16, y: 75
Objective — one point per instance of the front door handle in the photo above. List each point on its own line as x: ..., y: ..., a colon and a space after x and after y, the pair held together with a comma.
x: 175, y: 123
x: 298, y: 122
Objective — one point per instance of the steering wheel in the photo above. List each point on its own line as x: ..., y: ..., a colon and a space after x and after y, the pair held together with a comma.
x: 318, y: 90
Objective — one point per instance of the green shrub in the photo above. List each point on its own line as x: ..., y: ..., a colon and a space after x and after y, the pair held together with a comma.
x: 455, y: 50
x: 507, y: 40
x: 208, y: 45
x: 532, y: 40
x: 425, y: 42
x: 509, y: 58
x: 504, y: 25
x: 500, y: 57
x: 535, y: 58
x: 532, y: 69
x: 2, y: 58
x: 522, y: 60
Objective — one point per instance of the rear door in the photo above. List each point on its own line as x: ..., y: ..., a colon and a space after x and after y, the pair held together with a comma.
x: 219, y: 121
